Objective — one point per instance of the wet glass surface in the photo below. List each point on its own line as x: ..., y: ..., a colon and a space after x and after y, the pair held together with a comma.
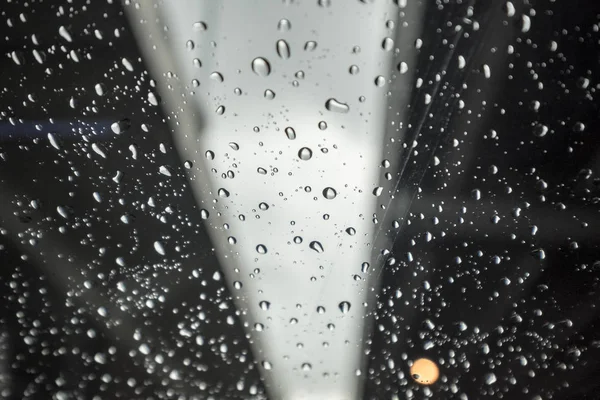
x: 299, y: 199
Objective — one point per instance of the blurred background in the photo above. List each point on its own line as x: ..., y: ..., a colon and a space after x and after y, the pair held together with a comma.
x: 298, y: 199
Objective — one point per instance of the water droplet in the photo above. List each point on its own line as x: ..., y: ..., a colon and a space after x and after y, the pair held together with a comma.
x: 100, y: 89
x: 377, y: 191
x: 199, y: 26
x: 297, y: 239
x: 305, y: 154
x: 290, y: 133
x: 329, y: 193
x: 261, y: 67
x: 153, y: 99
x: 525, y: 23
x: 62, y: 31
x: 284, y: 25
x: 120, y: 126
x: 261, y: 249
x: 387, y: 44
x: 98, y: 150
x: 267, y: 365
x: 324, y: 3
x: 354, y: 69
x: 283, y: 49
x: 166, y: 171
x: 335, y: 106
x: 197, y: 63
x: 234, y: 146
x: 351, y: 231
x: 263, y: 206
x: 379, y: 81
x: 311, y: 45
x: 261, y: 171
x: 540, y: 130
x: 216, y: 76
x: 220, y: 110
x: 190, y: 45
x: 316, y: 246
x: 53, y: 141
x: 264, y: 305
x: 210, y: 155
x: 322, y: 125
x: 306, y: 367
x: 188, y: 164
x: 269, y: 94
x: 237, y: 285
x: 159, y: 248
x: 476, y: 194
x: 237, y: 91
x: 344, y: 307
x: 364, y: 267
x: 204, y: 214
x: 321, y: 310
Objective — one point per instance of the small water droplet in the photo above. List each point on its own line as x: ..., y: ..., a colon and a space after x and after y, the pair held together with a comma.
x: 344, y: 307
x: 321, y: 310
x: 264, y: 305
x: 267, y: 365
x: 269, y: 94
x: 316, y: 246
x: 329, y: 193
x: 364, y: 267
x: 223, y: 193
x: 210, y: 155
x: 305, y: 154
x: 377, y: 191
x: 540, y: 130
x: 283, y: 49
x: 234, y: 146
x: 263, y: 206
x: 261, y: 67
x: 335, y: 106
x: 261, y: 171
x: 290, y: 133
x: 284, y: 25
x: 220, y: 110
x: 351, y: 231
x: 322, y: 125
x: 379, y: 81
x: 306, y: 367
x: 199, y: 26
x: 354, y: 69
x: 261, y: 249
x: 237, y: 285
x: 190, y: 45
x: 311, y: 45
x: 297, y: 239
x: 204, y: 214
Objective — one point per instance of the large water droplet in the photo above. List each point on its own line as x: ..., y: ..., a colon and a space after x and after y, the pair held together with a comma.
x: 387, y: 44
x: 261, y: 66
x: 283, y: 49
x: 220, y: 110
x: 351, y: 231
x: 335, y: 106
x: 234, y: 146
x: 379, y: 81
x: 223, y: 193
x: 329, y: 193
x: 216, y: 76
x: 204, y: 214
x: 210, y: 155
x: 354, y: 69
x: 344, y: 307
x: 159, y: 248
x: 305, y: 154
x: 261, y: 249
x: 316, y: 246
